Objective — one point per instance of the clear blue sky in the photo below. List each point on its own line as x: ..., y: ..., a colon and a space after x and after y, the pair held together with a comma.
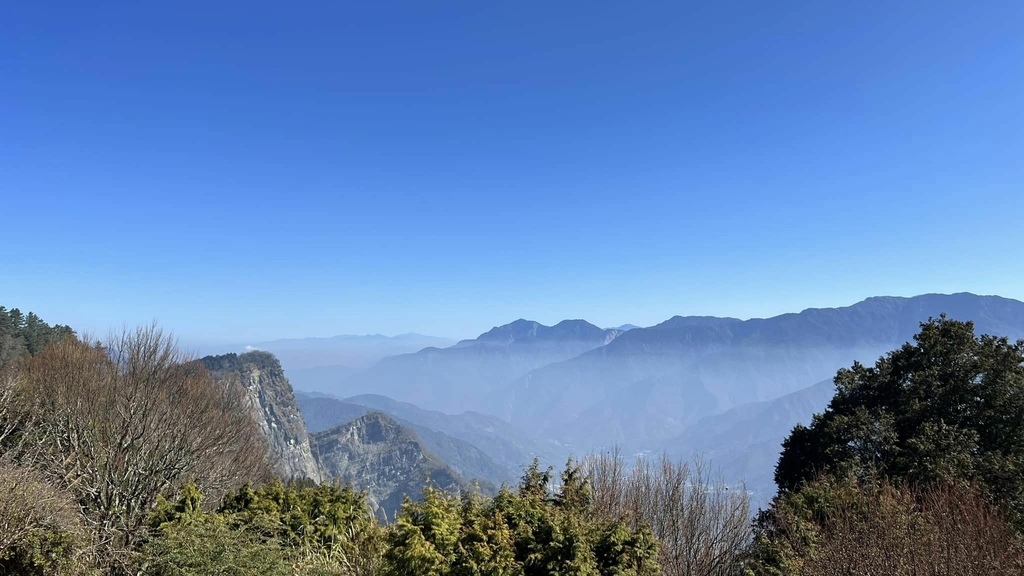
x: 251, y: 170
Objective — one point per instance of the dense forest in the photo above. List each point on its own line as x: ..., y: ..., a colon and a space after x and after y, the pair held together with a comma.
x: 125, y: 456
x: 26, y: 334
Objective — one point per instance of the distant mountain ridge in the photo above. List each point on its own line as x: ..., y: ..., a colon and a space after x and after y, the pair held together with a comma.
x: 744, y: 442
x: 354, y: 352
x: 724, y: 387
x: 460, y: 377
x: 320, y: 363
x: 530, y: 332
x: 462, y: 456
x: 648, y: 384
x: 507, y: 449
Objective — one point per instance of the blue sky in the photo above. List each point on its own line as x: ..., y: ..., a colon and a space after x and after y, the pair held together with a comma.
x: 253, y: 170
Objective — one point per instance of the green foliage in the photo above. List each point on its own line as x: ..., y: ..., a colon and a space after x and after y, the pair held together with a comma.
x: 197, y: 544
x: 527, y: 532
x: 791, y: 529
x: 945, y: 407
x: 320, y: 523
x: 942, y: 411
x: 300, y: 528
x: 40, y: 531
x: 50, y: 552
x: 22, y: 334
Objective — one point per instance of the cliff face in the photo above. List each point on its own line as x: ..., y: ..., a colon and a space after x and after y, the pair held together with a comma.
x: 274, y: 408
x: 377, y: 454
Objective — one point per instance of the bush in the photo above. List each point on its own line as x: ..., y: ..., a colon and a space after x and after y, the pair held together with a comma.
x: 530, y: 531
x: 835, y: 527
x: 40, y: 527
x: 204, y: 545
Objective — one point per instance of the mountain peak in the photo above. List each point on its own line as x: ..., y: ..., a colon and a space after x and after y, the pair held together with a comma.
x: 522, y: 331
x: 377, y: 454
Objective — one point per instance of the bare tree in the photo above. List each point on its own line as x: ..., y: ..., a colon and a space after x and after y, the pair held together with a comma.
x: 702, y: 523
x: 121, y: 423
x: 11, y: 418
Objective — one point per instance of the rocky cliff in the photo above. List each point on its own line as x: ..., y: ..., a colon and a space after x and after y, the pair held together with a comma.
x: 377, y: 454
x: 274, y: 408
x: 466, y: 457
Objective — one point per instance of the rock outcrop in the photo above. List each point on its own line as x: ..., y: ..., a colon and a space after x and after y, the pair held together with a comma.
x: 377, y: 454
x: 274, y: 407
x: 462, y: 453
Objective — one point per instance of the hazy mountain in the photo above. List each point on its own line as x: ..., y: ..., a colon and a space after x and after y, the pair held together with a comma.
x: 322, y: 412
x: 320, y: 377
x: 465, y: 458
x: 274, y: 408
x: 649, y: 384
x: 345, y: 351
x: 744, y: 442
x: 387, y: 460
x: 510, y: 448
x: 465, y: 376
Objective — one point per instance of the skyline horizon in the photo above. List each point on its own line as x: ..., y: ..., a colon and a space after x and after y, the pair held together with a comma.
x: 189, y: 342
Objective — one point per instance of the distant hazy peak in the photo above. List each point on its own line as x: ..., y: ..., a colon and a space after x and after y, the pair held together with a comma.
x: 354, y: 339
x: 705, y: 321
x: 377, y: 427
x: 528, y: 330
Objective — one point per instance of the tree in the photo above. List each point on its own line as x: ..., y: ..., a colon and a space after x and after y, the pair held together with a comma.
x: 424, y: 539
x: 26, y: 335
x: 321, y: 527
x: 188, y: 542
x: 915, y: 467
x: 945, y: 407
x: 701, y: 523
x: 530, y: 531
x: 119, y: 424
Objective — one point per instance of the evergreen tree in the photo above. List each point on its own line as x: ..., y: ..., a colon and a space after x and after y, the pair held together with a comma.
x: 946, y: 407
x: 527, y: 532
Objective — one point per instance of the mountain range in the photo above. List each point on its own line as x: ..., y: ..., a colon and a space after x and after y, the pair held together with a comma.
x: 744, y: 442
x: 466, y: 376
x: 320, y: 363
x: 727, y: 389
x: 648, y: 384
x: 432, y: 429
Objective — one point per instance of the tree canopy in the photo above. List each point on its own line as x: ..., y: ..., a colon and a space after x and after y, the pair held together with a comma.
x: 531, y: 530
x: 916, y: 466
x: 26, y: 334
x: 947, y: 406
